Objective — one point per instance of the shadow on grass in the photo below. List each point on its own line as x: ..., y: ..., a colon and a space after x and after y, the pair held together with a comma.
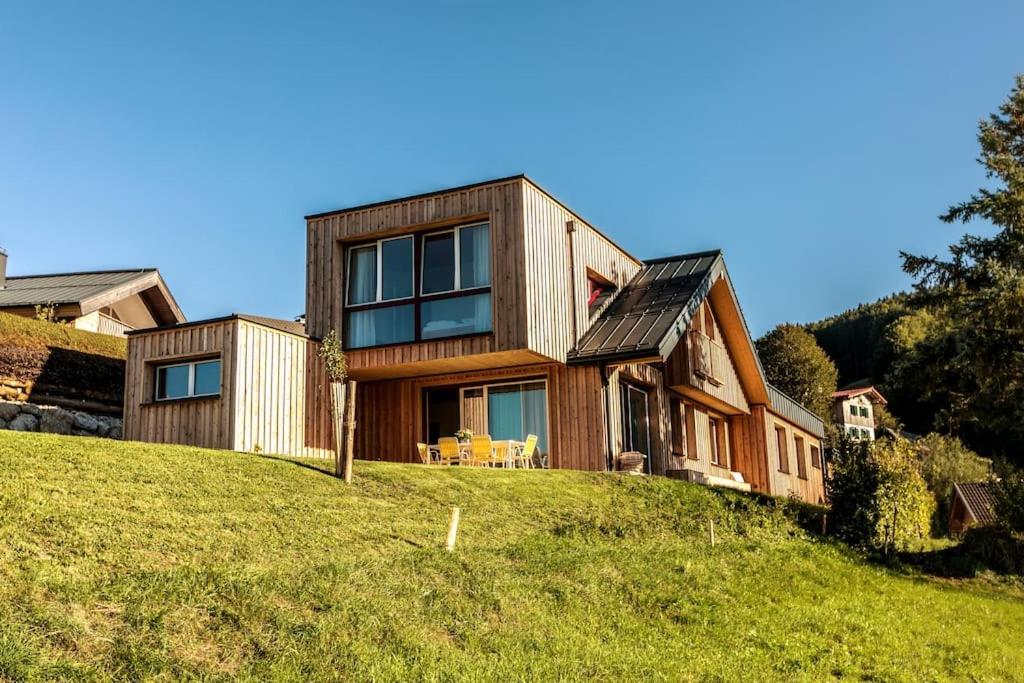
x: 981, y: 549
x: 327, y: 468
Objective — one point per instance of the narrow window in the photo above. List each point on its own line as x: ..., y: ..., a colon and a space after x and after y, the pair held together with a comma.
x: 678, y: 427
x: 853, y: 410
x: 709, y: 321
x: 863, y: 411
x: 396, y: 269
x: 714, y: 434
x: 816, y: 457
x: 474, y: 257
x: 801, y: 463
x: 438, y: 263
x: 780, y: 444
x: 362, y: 275
x: 691, y: 431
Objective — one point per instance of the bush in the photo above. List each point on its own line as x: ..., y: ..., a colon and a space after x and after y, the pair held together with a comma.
x: 994, y: 548
x: 1008, y: 500
x: 879, y: 498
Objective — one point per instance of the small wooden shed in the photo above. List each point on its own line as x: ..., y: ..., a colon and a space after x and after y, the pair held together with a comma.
x: 972, y: 505
x: 241, y: 382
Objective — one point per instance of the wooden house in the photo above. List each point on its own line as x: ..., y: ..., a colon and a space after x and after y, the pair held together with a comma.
x: 110, y: 302
x: 497, y: 308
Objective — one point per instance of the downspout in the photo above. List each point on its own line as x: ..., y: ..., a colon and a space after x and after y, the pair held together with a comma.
x: 570, y: 228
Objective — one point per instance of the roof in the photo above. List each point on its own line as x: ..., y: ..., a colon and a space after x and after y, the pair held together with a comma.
x: 790, y: 409
x: 288, y: 326
x: 461, y: 188
x: 977, y: 497
x: 873, y: 394
x: 91, y: 290
x: 63, y: 288
x: 659, y: 300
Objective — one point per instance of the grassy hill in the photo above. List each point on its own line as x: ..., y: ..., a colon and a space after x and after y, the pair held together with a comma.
x: 134, y: 560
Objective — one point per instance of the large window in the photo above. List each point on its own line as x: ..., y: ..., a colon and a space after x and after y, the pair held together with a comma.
x: 453, y: 276
x: 186, y: 380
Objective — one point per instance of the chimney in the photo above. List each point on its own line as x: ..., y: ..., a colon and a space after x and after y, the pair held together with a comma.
x: 3, y: 268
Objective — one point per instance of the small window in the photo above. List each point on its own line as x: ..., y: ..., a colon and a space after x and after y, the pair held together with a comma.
x: 863, y: 411
x: 599, y: 291
x: 719, y: 453
x: 815, y: 457
x: 853, y: 410
x: 801, y: 464
x: 185, y: 380
x: 780, y: 444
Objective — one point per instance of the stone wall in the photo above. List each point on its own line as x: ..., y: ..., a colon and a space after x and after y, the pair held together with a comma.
x: 29, y: 417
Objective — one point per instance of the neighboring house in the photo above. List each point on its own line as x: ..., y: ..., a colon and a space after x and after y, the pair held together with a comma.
x: 495, y: 307
x: 854, y: 410
x: 109, y: 302
x: 971, y: 506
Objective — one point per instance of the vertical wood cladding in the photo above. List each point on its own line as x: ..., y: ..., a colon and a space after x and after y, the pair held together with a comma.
x: 273, y: 391
x: 205, y: 422
x: 390, y: 413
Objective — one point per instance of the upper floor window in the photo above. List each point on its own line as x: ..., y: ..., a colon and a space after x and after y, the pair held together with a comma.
x: 815, y: 457
x: 189, y: 379
x: 863, y: 411
x: 853, y: 410
x: 452, y: 275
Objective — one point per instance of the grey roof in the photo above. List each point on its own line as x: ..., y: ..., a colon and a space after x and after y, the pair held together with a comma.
x: 63, y: 288
x: 793, y: 411
x: 658, y: 300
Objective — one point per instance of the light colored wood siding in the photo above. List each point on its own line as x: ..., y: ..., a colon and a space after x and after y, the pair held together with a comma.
x: 273, y: 393
x: 649, y: 378
x: 205, y: 422
x: 811, y: 489
x: 281, y: 402
x: 556, y: 267
x: 727, y: 397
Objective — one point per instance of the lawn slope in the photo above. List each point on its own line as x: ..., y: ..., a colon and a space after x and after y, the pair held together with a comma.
x: 134, y: 560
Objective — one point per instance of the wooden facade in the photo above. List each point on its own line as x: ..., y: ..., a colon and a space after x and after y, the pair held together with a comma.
x: 702, y: 407
x: 272, y: 396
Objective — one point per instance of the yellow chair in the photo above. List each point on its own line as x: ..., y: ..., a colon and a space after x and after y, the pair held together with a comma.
x: 524, y: 458
x: 424, y: 453
x: 482, y: 451
x: 449, y: 447
x: 504, y: 453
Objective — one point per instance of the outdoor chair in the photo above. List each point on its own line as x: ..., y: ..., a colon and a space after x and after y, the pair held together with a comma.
x: 482, y: 451
x: 525, y: 457
x: 424, y: 452
x: 449, y: 448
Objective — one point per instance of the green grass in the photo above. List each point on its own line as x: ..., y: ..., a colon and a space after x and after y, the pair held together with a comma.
x: 16, y: 331
x: 135, y: 561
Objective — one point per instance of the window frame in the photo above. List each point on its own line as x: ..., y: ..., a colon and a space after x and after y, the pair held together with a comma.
x: 782, y: 445
x: 800, y: 447
x: 191, y: 365
x: 485, y: 390
x: 378, y: 288
x: 815, y: 457
x: 418, y: 297
x: 719, y: 442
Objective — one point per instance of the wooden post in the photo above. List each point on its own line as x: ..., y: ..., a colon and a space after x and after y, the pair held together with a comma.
x: 337, y: 412
x: 350, y: 429
x: 711, y: 531
x: 453, y: 530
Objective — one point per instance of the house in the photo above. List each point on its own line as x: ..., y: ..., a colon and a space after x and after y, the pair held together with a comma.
x: 853, y: 408
x: 971, y: 506
x: 108, y: 301
x: 495, y: 307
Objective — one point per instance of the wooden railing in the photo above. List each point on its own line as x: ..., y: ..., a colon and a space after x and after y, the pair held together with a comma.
x: 709, y: 357
x: 111, y: 326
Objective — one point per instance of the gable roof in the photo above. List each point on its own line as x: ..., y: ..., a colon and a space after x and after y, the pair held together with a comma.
x: 649, y: 317
x: 977, y: 498
x: 873, y: 394
x: 91, y: 290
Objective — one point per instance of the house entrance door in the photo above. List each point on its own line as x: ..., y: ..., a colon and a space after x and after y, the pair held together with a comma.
x: 636, y: 429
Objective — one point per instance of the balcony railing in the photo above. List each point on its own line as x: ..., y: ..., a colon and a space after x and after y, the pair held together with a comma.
x: 709, y: 357
x: 112, y: 326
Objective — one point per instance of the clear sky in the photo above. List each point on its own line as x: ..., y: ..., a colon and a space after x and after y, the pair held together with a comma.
x: 811, y: 141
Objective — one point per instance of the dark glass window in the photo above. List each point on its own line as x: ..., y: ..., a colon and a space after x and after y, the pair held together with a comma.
x: 182, y: 380
x: 438, y: 263
x: 453, y: 317
x: 396, y: 269
x: 379, y: 326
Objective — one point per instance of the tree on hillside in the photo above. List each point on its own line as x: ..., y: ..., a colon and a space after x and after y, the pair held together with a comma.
x: 977, y: 347
x: 945, y: 461
x: 795, y: 363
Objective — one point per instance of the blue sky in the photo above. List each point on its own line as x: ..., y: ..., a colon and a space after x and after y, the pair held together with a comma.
x: 811, y: 141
